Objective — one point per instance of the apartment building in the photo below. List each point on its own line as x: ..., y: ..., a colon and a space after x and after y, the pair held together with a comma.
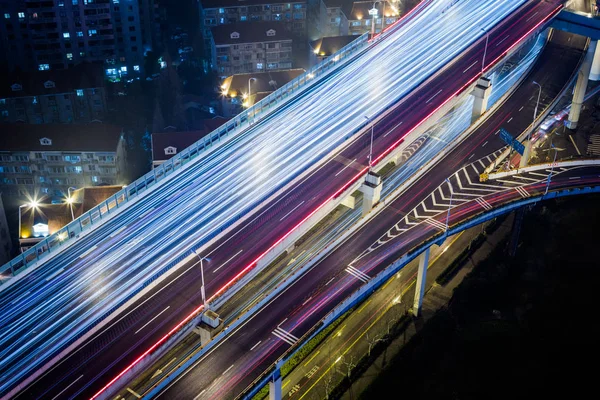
x: 57, y: 34
x: 246, y: 48
x: 43, y: 161
x: 55, y: 96
x: 359, y: 20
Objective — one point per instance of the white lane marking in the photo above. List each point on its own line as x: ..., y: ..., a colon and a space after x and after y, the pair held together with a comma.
x: 88, y: 251
x: 115, y: 233
x: 471, y: 156
x: 522, y: 107
x: 285, y: 336
x: 329, y: 281
x: 470, y: 66
x: 54, y: 274
x: 502, y: 41
x: 436, y: 224
x: 72, y: 383
x: 483, y: 203
x: 576, y: 148
x: 200, y: 394
x: 433, y: 97
x: 483, y: 145
x: 391, y: 130
x: 307, y: 300
x: 359, y: 272
x: 229, y: 259
x: 524, y: 193
x: 279, y: 324
x: 575, y: 177
x: 294, y: 209
x: 227, y: 370
x: 534, y: 14
x: 511, y: 118
x: 253, y: 347
x: 156, y: 316
x: 20, y: 297
x: 349, y: 164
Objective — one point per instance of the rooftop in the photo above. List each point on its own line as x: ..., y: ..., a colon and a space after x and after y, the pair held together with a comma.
x: 60, y: 137
x: 46, y: 219
x: 181, y: 140
x: 242, y: 32
x: 264, y: 81
x: 328, y: 45
x: 40, y: 83
x: 243, y: 3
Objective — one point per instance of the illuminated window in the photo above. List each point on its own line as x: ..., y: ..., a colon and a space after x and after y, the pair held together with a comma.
x: 6, y: 15
x: 66, y: 35
x: 44, y: 67
x: 79, y: 92
x: 21, y: 15
x: 136, y: 68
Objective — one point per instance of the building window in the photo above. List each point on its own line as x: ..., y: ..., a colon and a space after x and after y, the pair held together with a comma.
x: 124, y: 70
x: 243, y: 18
x: 271, y: 32
x: 136, y: 68
x: 44, y: 67
x: 66, y: 35
x: 69, y: 56
x: 170, y: 150
x: 22, y: 158
x: 79, y: 92
x: 79, y: 34
x: 49, y: 85
x: 235, y: 35
x: 45, y: 142
x: 111, y: 71
x: 6, y: 15
x: 21, y: 15
x: 92, y: 32
x: 259, y: 65
x: 221, y: 11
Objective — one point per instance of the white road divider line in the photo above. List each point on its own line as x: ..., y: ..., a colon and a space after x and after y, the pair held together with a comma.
x: 229, y: 259
x: 156, y: 316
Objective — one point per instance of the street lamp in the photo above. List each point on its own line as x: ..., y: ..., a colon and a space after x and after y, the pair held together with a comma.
x: 551, y: 169
x: 202, y: 275
x: 32, y: 204
x: 373, y: 13
x: 250, y: 80
x: 449, y: 205
x: 70, y: 201
x: 371, y: 148
x: 525, y: 157
x: 487, y: 36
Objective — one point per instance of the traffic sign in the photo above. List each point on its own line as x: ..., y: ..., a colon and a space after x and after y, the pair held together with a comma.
x: 518, y: 146
x: 507, y: 137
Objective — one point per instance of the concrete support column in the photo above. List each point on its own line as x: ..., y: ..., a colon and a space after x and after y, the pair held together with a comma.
x: 581, y: 87
x: 595, y: 72
x: 481, y: 93
x: 371, y: 190
x: 275, y: 385
x: 421, y: 279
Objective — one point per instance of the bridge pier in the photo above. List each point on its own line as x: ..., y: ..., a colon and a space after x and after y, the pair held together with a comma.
x: 595, y: 72
x: 421, y: 279
x: 371, y: 190
x: 481, y: 93
x: 581, y: 86
x: 275, y: 383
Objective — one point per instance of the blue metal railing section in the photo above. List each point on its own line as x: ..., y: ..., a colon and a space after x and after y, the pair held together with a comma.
x: 71, y: 232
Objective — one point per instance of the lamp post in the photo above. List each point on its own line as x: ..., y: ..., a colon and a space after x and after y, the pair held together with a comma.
x: 449, y: 205
x: 373, y: 13
x: 551, y: 170
x: 525, y: 158
x: 70, y: 201
x: 202, y: 275
x: 487, y: 36
x: 371, y: 148
x: 250, y: 80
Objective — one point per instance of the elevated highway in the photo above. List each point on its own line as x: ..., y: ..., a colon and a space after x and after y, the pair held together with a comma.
x: 112, y: 346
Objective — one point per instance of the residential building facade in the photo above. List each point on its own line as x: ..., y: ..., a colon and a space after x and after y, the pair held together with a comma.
x: 359, y: 20
x: 246, y: 48
x: 57, y: 34
x: 55, y: 96
x: 43, y: 161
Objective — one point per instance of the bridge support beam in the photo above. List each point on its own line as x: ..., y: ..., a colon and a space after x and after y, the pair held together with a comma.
x: 482, y: 94
x: 371, y: 190
x: 421, y: 279
x: 595, y: 72
x: 275, y: 383
x: 581, y: 87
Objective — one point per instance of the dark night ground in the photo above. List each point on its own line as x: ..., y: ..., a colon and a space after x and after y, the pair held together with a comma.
x: 545, y: 343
